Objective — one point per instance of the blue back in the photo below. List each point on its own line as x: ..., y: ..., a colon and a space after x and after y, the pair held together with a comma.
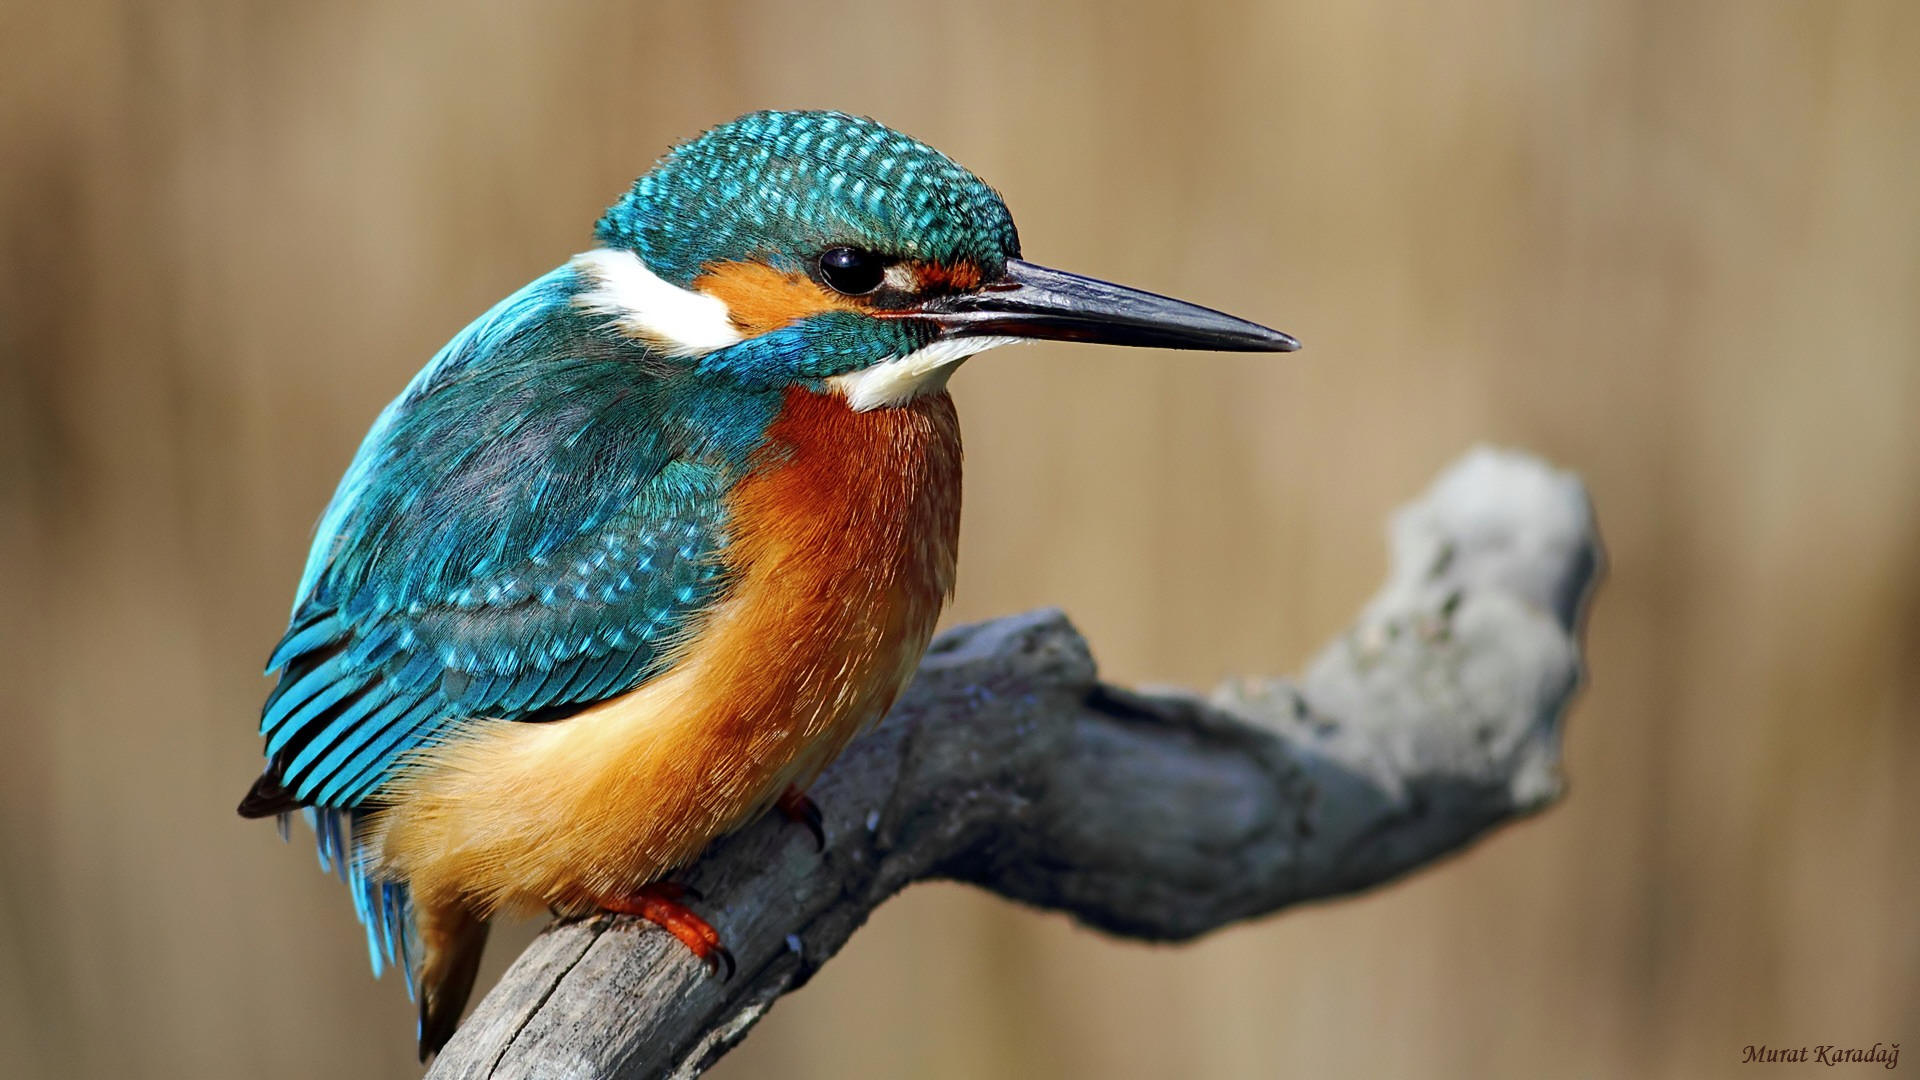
x: 528, y: 528
x: 524, y: 530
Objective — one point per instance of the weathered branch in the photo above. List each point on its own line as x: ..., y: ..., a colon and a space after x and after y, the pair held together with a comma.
x: 1158, y: 815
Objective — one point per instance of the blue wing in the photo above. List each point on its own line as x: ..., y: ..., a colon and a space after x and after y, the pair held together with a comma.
x: 526, y: 530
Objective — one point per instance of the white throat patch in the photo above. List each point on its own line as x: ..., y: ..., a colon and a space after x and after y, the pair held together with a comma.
x: 903, y: 378
x: 641, y: 304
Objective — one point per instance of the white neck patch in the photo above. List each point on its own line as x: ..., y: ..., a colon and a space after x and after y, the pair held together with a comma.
x: 641, y: 304
x: 686, y: 322
x: 903, y: 378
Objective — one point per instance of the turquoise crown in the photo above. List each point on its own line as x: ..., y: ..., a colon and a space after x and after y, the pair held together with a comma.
x: 781, y: 187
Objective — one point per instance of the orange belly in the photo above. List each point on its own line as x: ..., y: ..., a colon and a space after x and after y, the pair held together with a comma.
x: 841, y: 552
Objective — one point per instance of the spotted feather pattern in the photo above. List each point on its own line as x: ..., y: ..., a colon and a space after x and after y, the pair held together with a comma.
x: 513, y: 539
x: 530, y: 527
x: 779, y: 187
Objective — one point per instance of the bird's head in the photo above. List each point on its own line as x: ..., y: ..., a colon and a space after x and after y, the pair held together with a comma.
x: 818, y: 248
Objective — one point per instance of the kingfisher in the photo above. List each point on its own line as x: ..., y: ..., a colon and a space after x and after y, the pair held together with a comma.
x: 640, y: 549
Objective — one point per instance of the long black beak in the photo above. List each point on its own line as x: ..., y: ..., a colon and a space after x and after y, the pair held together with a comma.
x: 1035, y: 302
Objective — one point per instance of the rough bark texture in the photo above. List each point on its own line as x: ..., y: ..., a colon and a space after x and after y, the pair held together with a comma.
x: 1158, y: 815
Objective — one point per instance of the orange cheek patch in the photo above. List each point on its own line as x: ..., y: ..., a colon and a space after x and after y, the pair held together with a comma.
x: 939, y: 277
x: 760, y: 298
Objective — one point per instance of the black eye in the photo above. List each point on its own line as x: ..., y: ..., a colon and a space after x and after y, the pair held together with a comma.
x: 851, y: 270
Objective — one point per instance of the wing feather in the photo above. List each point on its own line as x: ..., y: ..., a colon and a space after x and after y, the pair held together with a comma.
x: 526, y: 530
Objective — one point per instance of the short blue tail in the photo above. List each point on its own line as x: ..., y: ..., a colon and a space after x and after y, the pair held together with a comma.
x: 384, y: 907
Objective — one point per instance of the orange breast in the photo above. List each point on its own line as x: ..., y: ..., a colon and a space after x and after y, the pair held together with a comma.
x: 842, y: 548
x: 844, y: 540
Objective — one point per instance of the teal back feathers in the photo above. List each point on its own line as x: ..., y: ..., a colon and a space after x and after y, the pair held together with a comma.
x: 525, y: 531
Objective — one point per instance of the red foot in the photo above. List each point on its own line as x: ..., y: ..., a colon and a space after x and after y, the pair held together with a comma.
x: 659, y: 904
x: 804, y: 811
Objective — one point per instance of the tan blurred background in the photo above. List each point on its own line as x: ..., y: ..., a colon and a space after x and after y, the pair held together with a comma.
x: 1673, y: 245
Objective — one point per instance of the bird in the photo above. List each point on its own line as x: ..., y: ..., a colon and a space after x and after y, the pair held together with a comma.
x: 641, y: 548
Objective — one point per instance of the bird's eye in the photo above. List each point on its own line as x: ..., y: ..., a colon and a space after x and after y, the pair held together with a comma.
x: 852, y: 271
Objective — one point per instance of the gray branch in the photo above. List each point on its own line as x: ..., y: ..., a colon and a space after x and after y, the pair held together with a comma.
x: 1158, y: 815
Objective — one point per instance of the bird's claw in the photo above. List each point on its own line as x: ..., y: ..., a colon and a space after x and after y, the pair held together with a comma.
x: 659, y: 903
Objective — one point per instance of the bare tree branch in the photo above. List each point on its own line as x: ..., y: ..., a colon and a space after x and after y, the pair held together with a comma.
x: 1158, y: 815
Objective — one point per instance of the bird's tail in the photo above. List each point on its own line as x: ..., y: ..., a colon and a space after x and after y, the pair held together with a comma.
x: 452, y: 938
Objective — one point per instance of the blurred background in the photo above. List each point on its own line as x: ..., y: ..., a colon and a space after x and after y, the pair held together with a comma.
x: 1673, y: 245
